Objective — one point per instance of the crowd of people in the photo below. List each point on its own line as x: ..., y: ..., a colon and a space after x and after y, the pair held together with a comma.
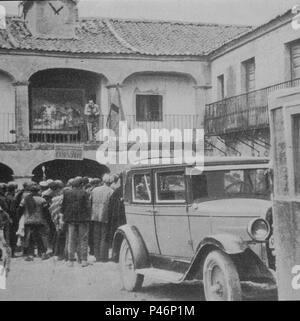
x: 67, y: 221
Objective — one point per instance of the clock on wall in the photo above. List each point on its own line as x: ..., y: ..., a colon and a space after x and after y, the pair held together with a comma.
x: 56, y: 18
x: 55, y: 9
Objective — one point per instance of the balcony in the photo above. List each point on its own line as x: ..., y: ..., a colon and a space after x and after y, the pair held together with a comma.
x: 7, y: 128
x: 244, y: 112
x: 61, y: 133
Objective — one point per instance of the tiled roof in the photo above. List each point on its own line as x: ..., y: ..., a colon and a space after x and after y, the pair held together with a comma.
x: 120, y: 36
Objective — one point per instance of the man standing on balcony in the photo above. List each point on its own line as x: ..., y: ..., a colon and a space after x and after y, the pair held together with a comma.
x: 92, y: 112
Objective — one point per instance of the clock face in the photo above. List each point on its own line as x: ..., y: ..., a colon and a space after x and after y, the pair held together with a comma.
x: 57, y: 7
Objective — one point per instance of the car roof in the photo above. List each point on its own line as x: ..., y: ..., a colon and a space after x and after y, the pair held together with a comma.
x: 208, y: 162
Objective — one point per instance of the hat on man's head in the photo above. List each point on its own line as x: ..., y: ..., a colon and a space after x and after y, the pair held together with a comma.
x: 12, y: 186
x: 107, y: 179
x: 85, y: 180
x: 44, y: 184
x: 96, y: 181
x: 70, y: 182
x: 59, y: 183
x: 77, y: 182
x: 33, y: 187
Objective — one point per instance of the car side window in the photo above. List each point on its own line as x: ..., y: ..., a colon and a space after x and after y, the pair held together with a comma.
x: 170, y: 187
x: 141, y: 188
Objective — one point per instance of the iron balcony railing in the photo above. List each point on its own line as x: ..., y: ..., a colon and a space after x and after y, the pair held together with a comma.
x: 243, y: 112
x: 7, y: 128
x: 57, y: 133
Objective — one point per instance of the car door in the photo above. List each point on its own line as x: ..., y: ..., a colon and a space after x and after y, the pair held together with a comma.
x: 139, y: 207
x: 171, y: 216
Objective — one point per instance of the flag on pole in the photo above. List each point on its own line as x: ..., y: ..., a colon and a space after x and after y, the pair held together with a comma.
x: 116, y: 112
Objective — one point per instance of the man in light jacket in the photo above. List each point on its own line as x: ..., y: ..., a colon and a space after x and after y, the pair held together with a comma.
x: 100, y: 199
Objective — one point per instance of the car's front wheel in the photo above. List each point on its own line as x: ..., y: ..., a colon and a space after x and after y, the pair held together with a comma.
x: 130, y: 279
x: 220, y: 278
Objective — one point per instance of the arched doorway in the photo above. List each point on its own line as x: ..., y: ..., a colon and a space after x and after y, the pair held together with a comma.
x: 57, y: 98
x: 6, y: 173
x: 66, y: 169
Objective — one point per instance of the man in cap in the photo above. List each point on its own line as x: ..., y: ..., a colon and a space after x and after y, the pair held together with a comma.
x: 43, y: 186
x: 76, y: 213
x: 100, y: 199
x: 12, y: 211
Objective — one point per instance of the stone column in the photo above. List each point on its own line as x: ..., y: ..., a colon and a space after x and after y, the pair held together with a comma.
x: 201, y: 100
x: 22, y: 111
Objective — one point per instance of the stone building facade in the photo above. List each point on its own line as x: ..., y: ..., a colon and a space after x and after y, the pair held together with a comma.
x: 168, y: 74
x: 237, y: 116
x: 50, y: 49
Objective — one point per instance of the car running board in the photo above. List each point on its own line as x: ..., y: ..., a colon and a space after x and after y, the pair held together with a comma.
x: 164, y: 275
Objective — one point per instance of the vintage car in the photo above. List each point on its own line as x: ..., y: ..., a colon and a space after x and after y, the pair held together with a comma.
x: 189, y: 223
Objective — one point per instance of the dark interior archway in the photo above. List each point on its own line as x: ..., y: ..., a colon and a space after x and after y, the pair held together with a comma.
x: 66, y: 169
x: 57, y: 98
x: 6, y: 173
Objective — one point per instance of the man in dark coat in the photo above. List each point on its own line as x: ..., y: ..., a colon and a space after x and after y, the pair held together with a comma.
x: 12, y: 211
x: 76, y: 214
x: 4, y: 206
x: 116, y: 211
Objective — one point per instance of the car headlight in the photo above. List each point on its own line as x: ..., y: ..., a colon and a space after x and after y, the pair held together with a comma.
x: 259, y: 229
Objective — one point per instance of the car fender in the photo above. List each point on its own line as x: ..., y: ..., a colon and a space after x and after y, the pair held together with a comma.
x: 137, y: 245
x: 228, y: 243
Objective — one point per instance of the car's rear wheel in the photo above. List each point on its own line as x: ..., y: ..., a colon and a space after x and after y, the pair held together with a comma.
x: 220, y: 278
x: 130, y: 279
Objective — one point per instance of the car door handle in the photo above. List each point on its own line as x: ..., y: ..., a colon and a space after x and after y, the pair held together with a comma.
x: 151, y: 211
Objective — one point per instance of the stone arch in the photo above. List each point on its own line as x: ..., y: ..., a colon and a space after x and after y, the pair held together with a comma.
x: 35, y: 69
x: 6, y: 173
x: 177, y: 90
x: 66, y: 169
x: 162, y: 73
x: 65, y: 91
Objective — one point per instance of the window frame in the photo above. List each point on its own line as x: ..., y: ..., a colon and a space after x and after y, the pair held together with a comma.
x: 157, y: 201
x: 245, y: 74
x: 221, y: 87
x: 134, y: 200
x: 161, y: 115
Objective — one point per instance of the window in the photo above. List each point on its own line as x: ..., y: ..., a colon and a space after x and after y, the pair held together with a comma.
x: 170, y: 187
x: 141, y: 188
x: 248, y: 71
x: 220, y: 87
x: 149, y: 107
x: 231, y: 183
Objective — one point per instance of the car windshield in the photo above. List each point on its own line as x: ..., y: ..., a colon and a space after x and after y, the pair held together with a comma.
x: 231, y: 184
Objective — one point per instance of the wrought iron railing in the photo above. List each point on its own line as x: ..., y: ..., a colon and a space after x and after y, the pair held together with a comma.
x: 7, y: 128
x: 52, y: 132
x: 243, y: 112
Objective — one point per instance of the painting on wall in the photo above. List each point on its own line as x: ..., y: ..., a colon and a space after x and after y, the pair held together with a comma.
x: 57, y: 108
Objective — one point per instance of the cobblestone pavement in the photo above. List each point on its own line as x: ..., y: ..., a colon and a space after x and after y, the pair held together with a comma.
x: 52, y: 280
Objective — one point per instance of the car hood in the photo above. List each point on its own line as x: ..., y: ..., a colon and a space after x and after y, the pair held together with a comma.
x: 246, y: 207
